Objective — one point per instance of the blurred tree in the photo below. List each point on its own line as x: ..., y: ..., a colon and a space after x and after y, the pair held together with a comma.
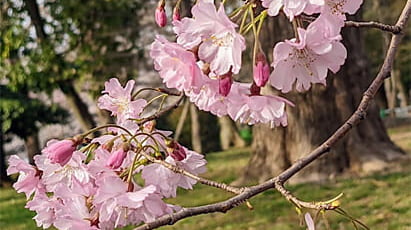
x: 66, y: 44
x: 23, y: 116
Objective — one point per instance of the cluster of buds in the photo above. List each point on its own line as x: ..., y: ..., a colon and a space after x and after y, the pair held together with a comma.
x: 161, y: 16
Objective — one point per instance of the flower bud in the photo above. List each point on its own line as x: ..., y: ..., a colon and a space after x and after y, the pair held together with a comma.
x: 224, y: 83
x: 176, y: 14
x: 261, y: 70
x: 60, y: 151
x: 116, y: 159
x: 176, y: 151
x: 160, y: 14
x: 255, y: 90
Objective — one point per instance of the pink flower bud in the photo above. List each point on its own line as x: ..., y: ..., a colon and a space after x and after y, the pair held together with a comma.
x: 176, y: 151
x: 116, y: 159
x: 176, y: 14
x: 255, y: 90
x: 60, y: 151
x: 224, y: 83
x: 160, y: 15
x: 261, y: 70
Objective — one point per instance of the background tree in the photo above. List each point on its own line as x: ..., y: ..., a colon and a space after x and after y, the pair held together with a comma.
x: 60, y: 45
x: 317, y: 114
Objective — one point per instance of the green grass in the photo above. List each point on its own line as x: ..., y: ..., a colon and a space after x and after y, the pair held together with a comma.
x: 381, y: 201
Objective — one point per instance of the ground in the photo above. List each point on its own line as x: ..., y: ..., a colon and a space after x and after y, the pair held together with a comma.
x: 381, y: 201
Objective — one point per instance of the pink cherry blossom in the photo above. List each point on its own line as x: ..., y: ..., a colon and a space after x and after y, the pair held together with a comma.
x: 253, y: 109
x: 118, y: 100
x: 291, y: 8
x: 75, y: 214
x: 114, y: 201
x: 219, y: 44
x: 60, y: 151
x: 167, y: 181
x: 295, y: 61
x: 338, y: 8
x: 45, y: 209
x: 28, y: 181
x: 55, y: 174
x: 209, y: 99
x: 176, y: 65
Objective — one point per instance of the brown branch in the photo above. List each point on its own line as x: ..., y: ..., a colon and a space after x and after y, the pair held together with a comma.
x: 278, y: 181
x: 37, y: 20
x: 376, y: 25
x: 370, y: 24
x: 179, y: 170
x: 162, y: 112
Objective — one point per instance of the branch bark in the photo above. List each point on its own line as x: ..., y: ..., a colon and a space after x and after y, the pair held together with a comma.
x: 278, y: 181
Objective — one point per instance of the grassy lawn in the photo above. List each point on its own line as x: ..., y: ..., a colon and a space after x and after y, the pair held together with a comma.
x: 381, y: 201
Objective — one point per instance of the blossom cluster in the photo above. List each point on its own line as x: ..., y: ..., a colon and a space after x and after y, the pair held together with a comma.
x: 207, y: 55
x: 83, y: 183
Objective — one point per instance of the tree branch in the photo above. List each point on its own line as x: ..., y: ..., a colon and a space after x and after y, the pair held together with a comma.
x: 34, y: 13
x: 278, y: 181
x: 370, y: 24
x: 376, y: 25
x: 159, y: 114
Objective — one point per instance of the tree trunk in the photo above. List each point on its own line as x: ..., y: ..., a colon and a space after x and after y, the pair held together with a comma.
x: 229, y: 134
x: 4, y: 179
x: 32, y: 147
x: 402, y: 96
x: 317, y: 114
x: 78, y: 106
x: 182, y: 120
x: 195, y: 129
x: 80, y: 109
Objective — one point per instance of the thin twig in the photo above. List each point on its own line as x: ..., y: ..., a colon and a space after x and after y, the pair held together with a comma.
x: 369, y: 24
x: 376, y: 25
x: 355, y: 118
x: 159, y: 114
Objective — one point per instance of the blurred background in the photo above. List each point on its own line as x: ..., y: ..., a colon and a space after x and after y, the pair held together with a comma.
x: 55, y: 56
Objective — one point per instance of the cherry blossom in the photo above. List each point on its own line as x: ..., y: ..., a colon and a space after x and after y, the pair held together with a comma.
x: 296, y: 61
x: 167, y: 181
x: 28, y: 181
x: 291, y: 8
x: 176, y: 65
x: 118, y: 100
x: 214, y: 34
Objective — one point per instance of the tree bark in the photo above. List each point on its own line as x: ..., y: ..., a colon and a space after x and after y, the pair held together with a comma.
x: 195, y: 129
x: 317, y: 114
x: 4, y: 179
x: 229, y: 134
x: 78, y: 106
x: 32, y: 147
